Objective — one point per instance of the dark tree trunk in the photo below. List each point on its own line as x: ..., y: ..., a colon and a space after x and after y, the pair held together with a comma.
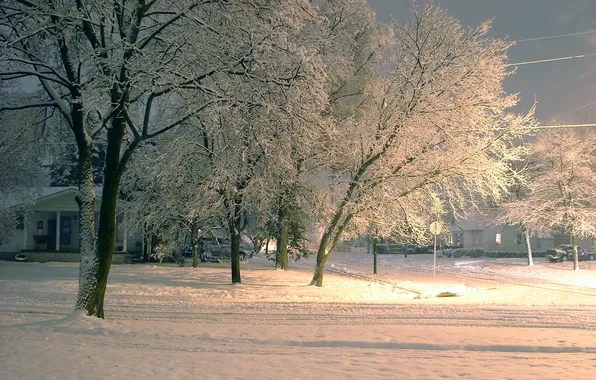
x: 235, y: 255
x: 235, y: 225
x: 375, y: 255
x: 194, y: 243
x: 92, y: 297
x: 144, y: 245
x: 281, y: 256
x: 105, y: 245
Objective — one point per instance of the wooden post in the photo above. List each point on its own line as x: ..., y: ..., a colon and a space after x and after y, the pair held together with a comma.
x: 58, y: 228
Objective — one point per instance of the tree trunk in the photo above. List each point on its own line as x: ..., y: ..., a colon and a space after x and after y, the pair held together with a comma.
x: 317, y: 279
x: 95, y: 279
x: 235, y: 255
x: 144, y: 245
x: 281, y: 256
x: 575, y: 256
x: 324, y: 250
x: 529, y: 247
x: 235, y: 225
x: 195, y: 251
x: 375, y: 255
x: 89, y: 264
x: 105, y: 244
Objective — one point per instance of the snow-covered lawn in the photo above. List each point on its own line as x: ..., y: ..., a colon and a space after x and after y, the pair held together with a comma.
x: 166, y: 322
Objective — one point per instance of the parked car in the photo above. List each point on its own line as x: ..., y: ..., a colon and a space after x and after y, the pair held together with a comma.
x: 582, y: 254
x: 557, y: 254
x: 565, y: 252
x: 210, y: 249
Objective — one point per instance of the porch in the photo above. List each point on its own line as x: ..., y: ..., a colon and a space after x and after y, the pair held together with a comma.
x: 58, y: 231
x: 51, y: 224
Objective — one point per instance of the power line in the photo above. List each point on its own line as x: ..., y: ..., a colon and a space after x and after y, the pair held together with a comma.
x: 557, y: 36
x: 587, y: 73
x: 582, y: 91
x: 565, y: 126
x: 552, y: 59
x: 579, y: 108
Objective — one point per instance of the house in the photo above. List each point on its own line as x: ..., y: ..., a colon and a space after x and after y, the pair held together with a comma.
x: 51, y: 224
x: 478, y: 231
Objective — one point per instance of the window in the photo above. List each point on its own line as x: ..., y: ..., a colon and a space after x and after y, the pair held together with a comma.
x: 519, y: 238
x: 457, y: 239
x: 498, y: 238
x: 538, y: 243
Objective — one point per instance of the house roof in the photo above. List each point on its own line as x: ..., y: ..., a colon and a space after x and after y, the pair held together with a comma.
x: 44, y: 193
x: 470, y: 222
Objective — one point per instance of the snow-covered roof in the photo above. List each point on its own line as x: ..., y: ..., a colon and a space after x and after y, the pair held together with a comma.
x: 470, y: 222
x: 43, y: 193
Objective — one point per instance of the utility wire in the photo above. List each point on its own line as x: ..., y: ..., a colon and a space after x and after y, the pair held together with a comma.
x: 582, y: 91
x: 557, y: 36
x: 587, y: 73
x: 552, y: 59
x: 579, y: 108
x: 565, y: 126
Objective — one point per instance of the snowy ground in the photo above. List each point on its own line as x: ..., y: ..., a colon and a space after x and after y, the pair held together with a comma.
x: 165, y: 322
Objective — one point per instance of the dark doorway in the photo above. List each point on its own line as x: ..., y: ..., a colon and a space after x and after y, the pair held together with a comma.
x: 52, y: 234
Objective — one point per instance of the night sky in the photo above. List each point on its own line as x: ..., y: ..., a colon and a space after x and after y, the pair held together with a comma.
x: 524, y: 19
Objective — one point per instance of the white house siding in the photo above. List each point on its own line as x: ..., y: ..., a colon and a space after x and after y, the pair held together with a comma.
x: 511, y: 242
x: 62, y: 201
x: 487, y: 239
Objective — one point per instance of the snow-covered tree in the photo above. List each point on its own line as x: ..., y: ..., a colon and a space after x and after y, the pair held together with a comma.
x: 237, y: 149
x: 342, y: 33
x: 522, y: 173
x: 22, y: 136
x: 561, y: 193
x: 63, y: 167
x: 432, y: 128
x: 166, y: 197
x: 144, y: 68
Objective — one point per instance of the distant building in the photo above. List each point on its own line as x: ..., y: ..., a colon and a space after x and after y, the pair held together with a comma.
x: 480, y: 232
x: 51, y: 224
